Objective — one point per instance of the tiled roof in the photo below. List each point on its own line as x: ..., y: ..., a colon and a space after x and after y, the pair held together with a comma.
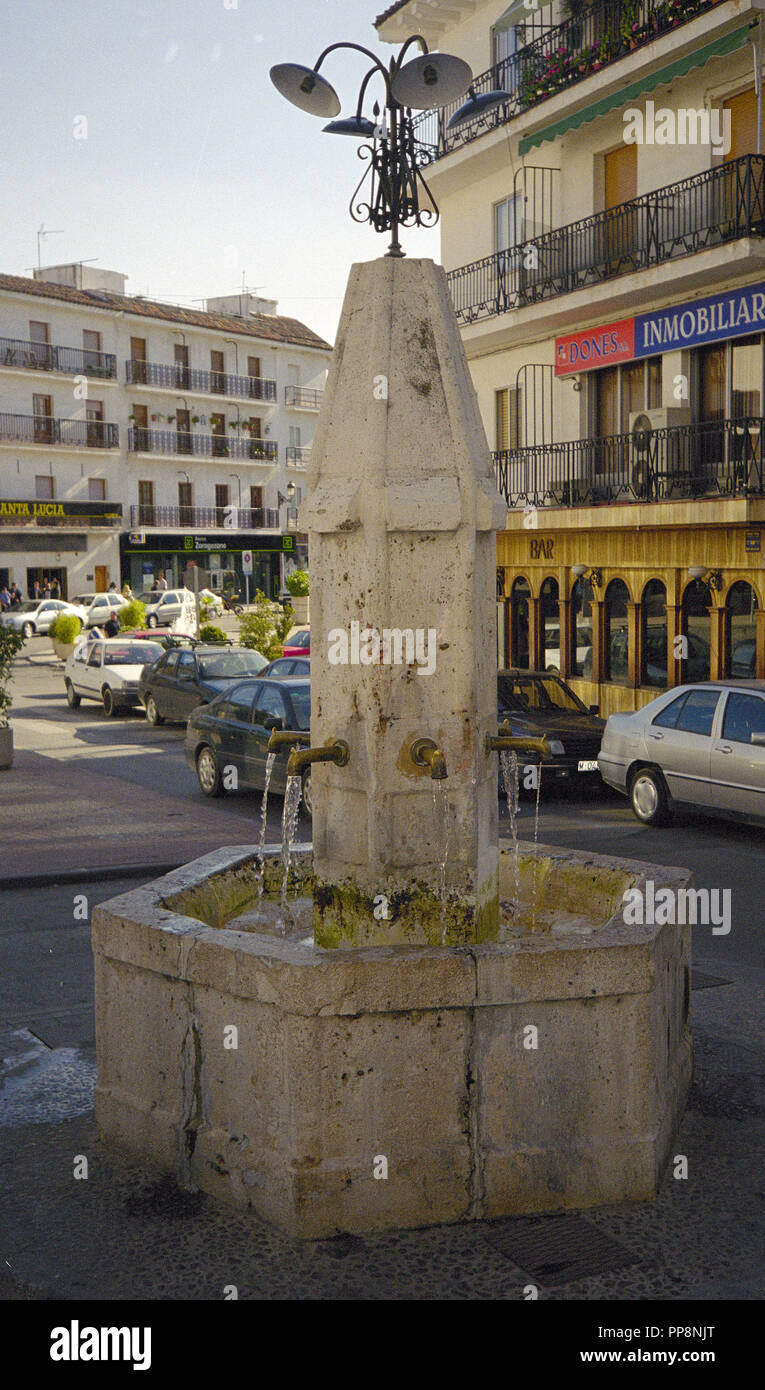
x: 386, y: 14
x: 272, y: 328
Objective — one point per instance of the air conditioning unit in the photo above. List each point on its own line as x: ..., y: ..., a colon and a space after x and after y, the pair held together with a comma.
x: 644, y: 454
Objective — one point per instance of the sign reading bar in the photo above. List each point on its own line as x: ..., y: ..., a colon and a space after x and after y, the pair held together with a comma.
x: 710, y: 320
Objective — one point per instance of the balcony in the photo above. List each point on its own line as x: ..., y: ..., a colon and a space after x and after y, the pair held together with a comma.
x: 181, y: 442
x: 561, y: 57
x: 713, y: 459
x: 174, y: 377
x: 204, y: 518
x: 47, y: 357
x: 298, y: 455
x: 302, y: 397
x: 706, y: 210
x: 68, y: 434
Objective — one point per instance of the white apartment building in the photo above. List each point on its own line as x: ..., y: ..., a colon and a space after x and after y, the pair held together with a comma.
x: 608, y: 272
x: 137, y: 437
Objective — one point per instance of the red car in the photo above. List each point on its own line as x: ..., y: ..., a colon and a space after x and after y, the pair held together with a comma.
x: 298, y: 643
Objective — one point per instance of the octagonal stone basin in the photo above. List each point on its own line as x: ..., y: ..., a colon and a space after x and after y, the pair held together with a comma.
x: 387, y: 1087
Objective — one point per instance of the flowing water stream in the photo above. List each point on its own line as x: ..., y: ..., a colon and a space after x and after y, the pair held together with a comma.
x: 511, y: 777
x: 263, y: 814
x: 290, y: 813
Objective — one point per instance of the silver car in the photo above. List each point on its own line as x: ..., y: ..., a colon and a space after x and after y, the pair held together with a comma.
x: 37, y: 615
x: 697, y: 745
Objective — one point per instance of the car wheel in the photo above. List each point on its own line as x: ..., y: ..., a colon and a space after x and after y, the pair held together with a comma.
x: 110, y: 707
x: 208, y: 772
x: 307, y: 794
x: 152, y: 620
x: 28, y: 630
x: 72, y: 698
x: 648, y: 795
x: 152, y: 713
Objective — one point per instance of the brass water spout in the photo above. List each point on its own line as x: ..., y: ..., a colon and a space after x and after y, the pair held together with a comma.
x: 336, y: 752
x: 425, y: 753
x: 284, y: 738
x: 504, y: 739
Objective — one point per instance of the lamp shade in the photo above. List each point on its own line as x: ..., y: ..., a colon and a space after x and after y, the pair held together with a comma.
x: 356, y: 126
x: 306, y: 89
x: 433, y: 79
x: 477, y: 106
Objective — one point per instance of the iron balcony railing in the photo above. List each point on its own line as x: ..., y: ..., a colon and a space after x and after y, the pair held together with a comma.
x: 243, y: 518
x: 715, y: 458
x: 146, y: 441
x: 303, y: 397
x: 175, y: 377
x: 298, y: 455
x: 560, y: 57
x: 45, y: 429
x: 49, y: 357
x: 705, y: 210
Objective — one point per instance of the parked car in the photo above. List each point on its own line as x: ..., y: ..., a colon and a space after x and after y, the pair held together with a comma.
x: 37, y: 616
x: 99, y: 607
x: 182, y: 679
x: 699, y: 745
x: 539, y: 702
x: 108, y: 671
x: 164, y: 638
x: 298, y: 642
x: 165, y: 606
x: 288, y: 666
x: 234, y: 729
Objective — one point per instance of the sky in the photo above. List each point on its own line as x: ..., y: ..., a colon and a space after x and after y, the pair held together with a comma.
x: 188, y: 171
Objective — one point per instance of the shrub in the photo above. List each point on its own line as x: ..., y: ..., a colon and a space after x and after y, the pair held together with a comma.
x: 132, y: 614
x: 65, y: 628
x: 266, y: 626
x: 297, y: 583
x: 11, y: 643
x: 211, y: 633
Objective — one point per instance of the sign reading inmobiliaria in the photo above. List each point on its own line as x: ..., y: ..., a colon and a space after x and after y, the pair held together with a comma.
x: 709, y: 320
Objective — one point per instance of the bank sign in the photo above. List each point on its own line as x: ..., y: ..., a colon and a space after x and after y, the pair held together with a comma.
x: 710, y: 320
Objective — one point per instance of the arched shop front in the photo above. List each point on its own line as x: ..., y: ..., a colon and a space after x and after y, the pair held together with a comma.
x: 627, y: 610
x: 145, y: 555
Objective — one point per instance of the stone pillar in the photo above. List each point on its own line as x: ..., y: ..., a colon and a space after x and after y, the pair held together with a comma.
x: 402, y: 513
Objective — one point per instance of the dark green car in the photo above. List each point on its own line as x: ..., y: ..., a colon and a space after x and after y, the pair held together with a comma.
x: 227, y: 740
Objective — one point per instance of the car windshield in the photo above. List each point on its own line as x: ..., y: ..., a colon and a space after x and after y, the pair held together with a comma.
x: 299, y: 639
x: 518, y: 695
x: 131, y: 653
x: 230, y: 666
x: 27, y: 607
x: 301, y: 703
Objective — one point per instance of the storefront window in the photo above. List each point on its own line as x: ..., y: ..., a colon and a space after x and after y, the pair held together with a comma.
x: 551, y: 636
x: 520, y: 607
x: 581, y: 628
x: 653, y: 667
x: 740, y: 608
x: 697, y: 603
x: 616, y: 634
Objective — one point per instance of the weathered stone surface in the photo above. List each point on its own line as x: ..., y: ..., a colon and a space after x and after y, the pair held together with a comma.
x: 415, y: 1055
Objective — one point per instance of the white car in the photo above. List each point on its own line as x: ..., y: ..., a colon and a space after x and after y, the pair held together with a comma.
x: 37, y: 615
x: 99, y: 607
x: 108, y: 671
x: 168, y: 606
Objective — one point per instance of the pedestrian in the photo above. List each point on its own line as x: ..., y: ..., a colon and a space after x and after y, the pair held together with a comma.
x: 127, y: 592
x: 55, y: 589
x: 15, y: 593
x: 34, y: 592
x: 156, y: 585
x: 46, y: 587
x: 5, y: 598
x: 113, y: 587
x: 112, y: 626
x: 162, y: 582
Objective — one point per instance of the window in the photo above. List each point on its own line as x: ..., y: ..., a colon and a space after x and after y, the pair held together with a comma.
x: 581, y: 628
x: 181, y: 359
x: 42, y: 407
x: 744, y: 716
x: 91, y: 342
x: 619, y: 392
x: 696, y: 626
x: 746, y: 377
x: 45, y: 487
x: 743, y: 123
x: 96, y: 489
x: 740, y: 610
x: 691, y: 713
x: 184, y: 503
x: 95, y: 656
x: 616, y: 635
x: 94, y: 415
x: 520, y: 604
x: 146, y: 503
x: 39, y: 334
x: 253, y: 367
x: 256, y: 498
x: 222, y: 495
x: 507, y: 410
x: 183, y: 438
x: 138, y: 371
x: 270, y: 704
x: 219, y: 441
x: 653, y: 617
x: 551, y: 644
x: 217, y: 370
x: 293, y: 374
x: 238, y: 705
x: 294, y: 436
x: 187, y: 666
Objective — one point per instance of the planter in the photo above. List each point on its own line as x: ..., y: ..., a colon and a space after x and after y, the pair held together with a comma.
x: 62, y: 649
x: 300, y: 605
x: 6, y: 747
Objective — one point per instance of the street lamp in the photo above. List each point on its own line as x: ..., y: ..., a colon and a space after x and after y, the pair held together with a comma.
x: 394, y: 154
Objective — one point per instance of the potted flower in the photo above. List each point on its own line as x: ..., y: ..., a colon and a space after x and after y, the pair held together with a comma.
x: 11, y: 643
x: 64, y: 633
x: 297, y: 587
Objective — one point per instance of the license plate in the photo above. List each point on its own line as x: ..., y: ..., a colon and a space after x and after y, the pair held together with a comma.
x: 588, y: 765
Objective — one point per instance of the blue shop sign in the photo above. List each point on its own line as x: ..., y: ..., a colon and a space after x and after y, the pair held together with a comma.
x: 720, y: 316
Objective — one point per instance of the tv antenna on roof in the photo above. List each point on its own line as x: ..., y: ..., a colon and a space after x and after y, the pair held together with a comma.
x: 45, y: 231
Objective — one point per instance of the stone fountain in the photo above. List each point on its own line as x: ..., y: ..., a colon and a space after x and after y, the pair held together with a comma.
x: 452, y: 1030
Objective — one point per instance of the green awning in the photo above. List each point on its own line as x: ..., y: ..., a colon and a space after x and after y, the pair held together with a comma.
x: 624, y: 96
